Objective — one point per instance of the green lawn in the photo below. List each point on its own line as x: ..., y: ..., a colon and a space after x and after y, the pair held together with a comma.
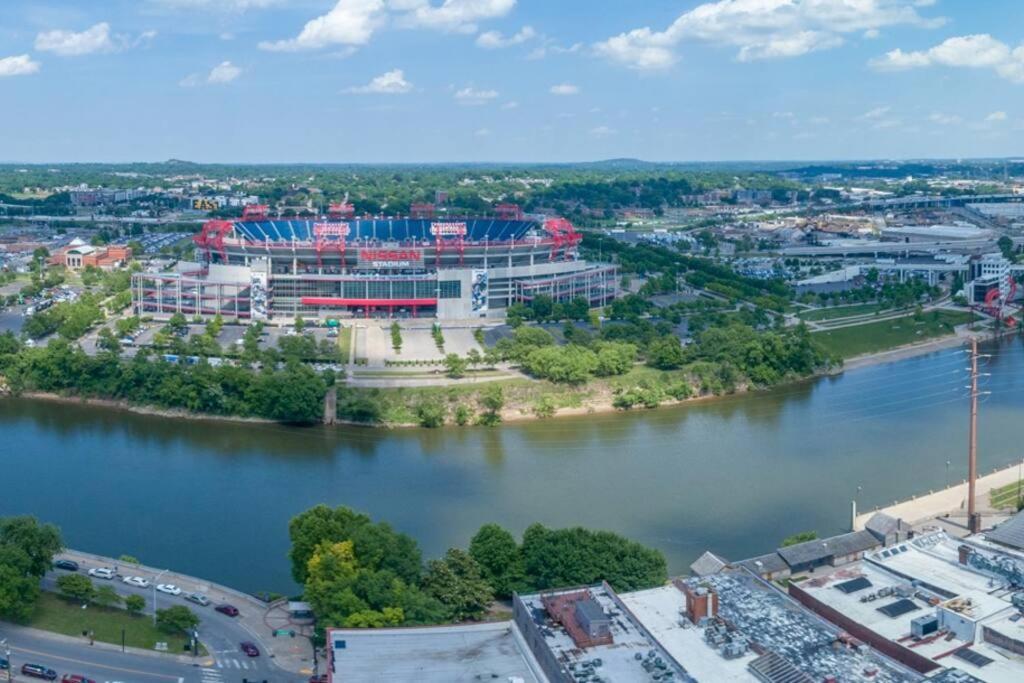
x: 1005, y: 498
x: 345, y: 342
x: 887, y: 334
x: 56, y: 614
x: 834, y: 312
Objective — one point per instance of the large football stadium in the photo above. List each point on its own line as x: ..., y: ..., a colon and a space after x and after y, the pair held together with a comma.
x: 338, y: 266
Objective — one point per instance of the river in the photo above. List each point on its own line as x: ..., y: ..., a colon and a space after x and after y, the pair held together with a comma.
x: 734, y: 475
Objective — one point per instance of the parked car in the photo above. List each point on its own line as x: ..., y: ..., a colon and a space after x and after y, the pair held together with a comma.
x: 102, y: 573
x: 4, y: 664
x: 168, y: 588
x: 38, y: 671
x: 198, y: 598
x: 249, y: 649
x: 322, y: 678
x: 67, y: 565
x: 75, y: 678
x: 136, y: 581
x: 227, y: 609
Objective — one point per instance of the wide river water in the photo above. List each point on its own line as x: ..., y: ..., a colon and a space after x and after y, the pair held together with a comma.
x: 733, y: 475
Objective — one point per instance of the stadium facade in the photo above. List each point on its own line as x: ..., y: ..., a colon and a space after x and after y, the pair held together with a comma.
x: 340, y: 266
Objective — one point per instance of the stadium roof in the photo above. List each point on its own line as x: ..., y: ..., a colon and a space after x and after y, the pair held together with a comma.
x: 384, y: 230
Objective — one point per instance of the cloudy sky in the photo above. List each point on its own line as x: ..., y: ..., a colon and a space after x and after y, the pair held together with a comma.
x: 509, y: 80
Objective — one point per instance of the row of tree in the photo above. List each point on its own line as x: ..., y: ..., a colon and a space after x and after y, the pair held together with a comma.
x: 359, y: 573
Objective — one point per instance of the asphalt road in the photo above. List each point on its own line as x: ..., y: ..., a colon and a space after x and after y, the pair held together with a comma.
x: 221, y: 634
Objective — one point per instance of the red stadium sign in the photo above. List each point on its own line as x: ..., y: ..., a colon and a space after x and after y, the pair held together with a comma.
x: 447, y: 229
x: 330, y: 229
x: 390, y: 258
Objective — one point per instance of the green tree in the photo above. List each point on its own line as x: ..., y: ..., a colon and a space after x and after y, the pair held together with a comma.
x: 456, y: 583
x: 455, y: 365
x: 76, y: 587
x: 666, y: 353
x: 431, y: 414
x: 576, y: 556
x: 1005, y: 245
x: 106, y: 596
x: 134, y: 604
x: 177, y: 324
x: 569, y: 364
x: 497, y: 553
x: 39, y: 542
x: 492, y: 400
x: 176, y: 619
x: 615, y: 358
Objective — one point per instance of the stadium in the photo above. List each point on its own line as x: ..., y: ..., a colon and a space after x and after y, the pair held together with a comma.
x: 338, y: 266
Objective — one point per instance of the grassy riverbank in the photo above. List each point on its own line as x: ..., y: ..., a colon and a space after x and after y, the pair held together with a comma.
x: 883, y: 335
x: 53, y: 613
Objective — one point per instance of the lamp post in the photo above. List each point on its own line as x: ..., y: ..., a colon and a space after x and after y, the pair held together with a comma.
x: 156, y: 580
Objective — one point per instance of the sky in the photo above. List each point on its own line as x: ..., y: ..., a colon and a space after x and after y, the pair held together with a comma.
x: 367, y: 81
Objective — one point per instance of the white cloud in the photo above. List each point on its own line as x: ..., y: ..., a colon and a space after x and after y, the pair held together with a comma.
x: 351, y: 22
x: 761, y: 29
x: 876, y: 113
x: 72, y: 44
x: 602, y: 131
x: 470, y: 95
x: 223, y: 73
x: 996, y: 117
x: 391, y: 83
x: 818, y: 120
x: 979, y: 51
x: 945, y: 119
x: 511, y: 104
x: 564, y: 89
x: 18, y: 65
x: 451, y: 15
x: 495, y: 39
x: 482, y: 132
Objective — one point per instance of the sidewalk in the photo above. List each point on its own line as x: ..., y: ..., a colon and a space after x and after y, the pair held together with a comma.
x: 259, y: 618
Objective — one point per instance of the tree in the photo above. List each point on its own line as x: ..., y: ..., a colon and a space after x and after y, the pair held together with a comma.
x: 134, y: 604
x: 176, y: 619
x: 455, y: 365
x: 76, y: 587
x: 106, y: 596
x: 177, y: 324
x: 1005, y: 245
x: 431, y: 414
x: 377, y: 545
x: 570, y: 364
x: 39, y: 542
x: 666, y: 353
x: 577, y: 556
x: 456, y: 582
x: 615, y: 358
x: 492, y: 400
x: 497, y: 553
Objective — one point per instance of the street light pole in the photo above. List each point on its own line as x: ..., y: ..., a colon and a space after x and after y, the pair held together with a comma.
x: 156, y: 579
x: 7, y: 654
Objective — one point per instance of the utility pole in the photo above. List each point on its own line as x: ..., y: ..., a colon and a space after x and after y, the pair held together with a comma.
x: 973, y: 519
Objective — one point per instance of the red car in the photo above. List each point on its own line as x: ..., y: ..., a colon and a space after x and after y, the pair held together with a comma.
x: 249, y: 649
x: 322, y: 678
x: 69, y: 678
x: 229, y: 610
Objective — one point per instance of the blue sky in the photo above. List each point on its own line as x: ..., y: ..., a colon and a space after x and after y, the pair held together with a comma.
x: 509, y: 80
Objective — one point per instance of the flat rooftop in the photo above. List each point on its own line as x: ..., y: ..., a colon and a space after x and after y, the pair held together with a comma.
x: 448, y: 654
x: 622, y: 661
x: 660, y: 611
x: 917, y: 579
x: 778, y: 624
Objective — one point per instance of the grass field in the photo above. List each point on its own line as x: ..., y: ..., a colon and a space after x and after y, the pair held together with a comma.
x: 55, y: 614
x: 1005, y: 498
x: 345, y: 342
x: 835, y: 312
x: 888, y: 334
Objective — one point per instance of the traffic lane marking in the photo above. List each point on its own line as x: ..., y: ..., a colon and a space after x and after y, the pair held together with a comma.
x: 101, y: 666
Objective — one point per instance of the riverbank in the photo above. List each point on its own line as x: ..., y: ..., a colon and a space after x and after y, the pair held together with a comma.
x: 139, y: 409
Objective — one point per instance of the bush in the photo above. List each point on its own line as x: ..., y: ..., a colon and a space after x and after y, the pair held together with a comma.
x: 76, y: 587
x: 463, y: 415
x: 431, y: 414
x: 396, y: 337
x: 544, y: 407
x: 134, y: 604
x: 176, y: 619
